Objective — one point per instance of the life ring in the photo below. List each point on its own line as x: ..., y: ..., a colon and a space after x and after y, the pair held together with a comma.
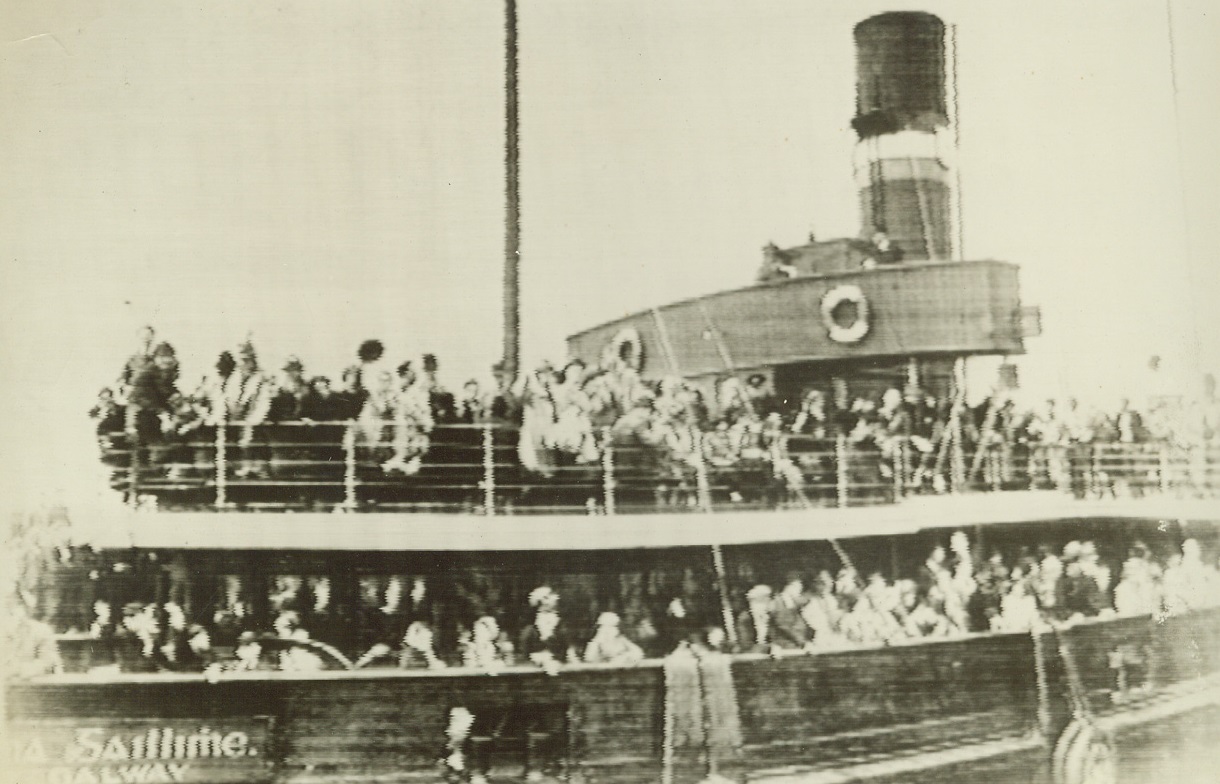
x: 1084, y: 754
x: 626, y: 347
x: 854, y: 332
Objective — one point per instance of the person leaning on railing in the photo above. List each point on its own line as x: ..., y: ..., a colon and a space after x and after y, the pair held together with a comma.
x: 149, y: 398
x: 28, y: 648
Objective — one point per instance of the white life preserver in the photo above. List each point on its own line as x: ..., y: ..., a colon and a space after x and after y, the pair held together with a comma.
x: 626, y: 347
x: 854, y: 332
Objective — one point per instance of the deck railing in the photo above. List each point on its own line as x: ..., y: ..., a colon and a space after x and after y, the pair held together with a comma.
x: 477, y: 469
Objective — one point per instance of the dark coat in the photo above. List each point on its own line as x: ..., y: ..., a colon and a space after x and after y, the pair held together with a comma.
x: 747, y: 634
x: 286, y: 406
x: 1079, y: 593
x: 558, y: 644
x: 317, y: 408
x: 153, y: 388
x: 789, y: 629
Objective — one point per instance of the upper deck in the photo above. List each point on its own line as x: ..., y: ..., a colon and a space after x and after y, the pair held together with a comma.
x: 471, y: 492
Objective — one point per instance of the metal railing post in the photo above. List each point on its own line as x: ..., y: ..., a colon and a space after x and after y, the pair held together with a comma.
x: 841, y: 470
x: 133, y: 471
x: 1163, y: 468
x: 899, y: 470
x: 489, y: 471
x: 703, y: 487
x: 349, y: 465
x: 1095, y: 486
x: 608, y: 471
x: 222, y: 464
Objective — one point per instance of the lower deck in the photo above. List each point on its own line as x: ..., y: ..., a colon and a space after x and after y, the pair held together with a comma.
x: 796, y: 716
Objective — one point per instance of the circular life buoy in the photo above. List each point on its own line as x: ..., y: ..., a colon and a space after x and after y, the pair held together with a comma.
x: 1084, y: 754
x: 626, y: 347
x: 840, y: 295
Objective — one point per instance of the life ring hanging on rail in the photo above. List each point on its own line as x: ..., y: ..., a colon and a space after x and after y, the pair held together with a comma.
x: 626, y: 347
x: 854, y: 332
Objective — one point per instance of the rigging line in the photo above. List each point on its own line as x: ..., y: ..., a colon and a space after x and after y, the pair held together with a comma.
x: 666, y: 346
x: 960, y: 250
x: 721, y: 348
x: 1177, y: 122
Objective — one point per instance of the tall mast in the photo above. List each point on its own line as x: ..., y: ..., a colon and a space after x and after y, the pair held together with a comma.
x: 512, y: 192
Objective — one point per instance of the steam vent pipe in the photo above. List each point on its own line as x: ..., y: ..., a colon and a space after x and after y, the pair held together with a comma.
x: 902, y: 122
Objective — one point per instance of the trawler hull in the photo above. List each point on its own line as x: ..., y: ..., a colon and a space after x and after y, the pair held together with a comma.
x: 848, y: 715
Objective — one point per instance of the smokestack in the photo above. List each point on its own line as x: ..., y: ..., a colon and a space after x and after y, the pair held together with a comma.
x: 900, y: 107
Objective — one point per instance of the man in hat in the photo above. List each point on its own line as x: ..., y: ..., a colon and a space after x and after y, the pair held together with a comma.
x: 139, y: 360
x: 1078, y: 594
x: 754, y: 627
x: 546, y: 642
x: 287, y: 401
x: 505, y: 407
x: 253, y: 391
x: 791, y: 631
x: 150, y: 396
x: 762, y: 399
x: 441, y: 400
x: 609, y: 646
x: 320, y: 403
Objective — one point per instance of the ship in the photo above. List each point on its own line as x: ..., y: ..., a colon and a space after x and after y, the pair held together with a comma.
x: 895, y: 307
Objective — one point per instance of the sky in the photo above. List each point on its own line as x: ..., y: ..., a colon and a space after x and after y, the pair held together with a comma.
x: 311, y: 174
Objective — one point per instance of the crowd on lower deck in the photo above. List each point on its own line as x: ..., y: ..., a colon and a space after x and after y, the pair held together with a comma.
x: 567, y: 416
x: 446, y: 621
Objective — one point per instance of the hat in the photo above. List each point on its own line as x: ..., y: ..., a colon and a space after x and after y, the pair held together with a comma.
x: 608, y: 619
x: 1072, y: 550
x: 759, y: 592
x: 540, y: 594
x: 133, y: 608
x: 370, y: 351
x: 163, y: 349
x: 293, y: 363
x: 430, y: 363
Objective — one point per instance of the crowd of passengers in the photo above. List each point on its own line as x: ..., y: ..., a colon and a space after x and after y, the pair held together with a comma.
x: 567, y: 415
x: 952, y: 593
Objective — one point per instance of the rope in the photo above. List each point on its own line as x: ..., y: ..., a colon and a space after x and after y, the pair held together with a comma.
x: 1076, y: 690
x: 1044, y: 707
x: 666, y: 346
x: 807, y: 505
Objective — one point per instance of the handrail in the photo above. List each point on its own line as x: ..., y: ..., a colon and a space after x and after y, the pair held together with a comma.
x: 476, y: 467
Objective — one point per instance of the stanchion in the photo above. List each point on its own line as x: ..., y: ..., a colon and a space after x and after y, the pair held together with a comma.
x: 1163, y: 469
x: 608, y: 472
x: 489, y: 472
x: 222, y: 465
x: 349, y: 465
x: 133, y: 478
x: 841, y: 470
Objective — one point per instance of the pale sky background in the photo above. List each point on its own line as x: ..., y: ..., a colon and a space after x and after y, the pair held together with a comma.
x: 318, y: 173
